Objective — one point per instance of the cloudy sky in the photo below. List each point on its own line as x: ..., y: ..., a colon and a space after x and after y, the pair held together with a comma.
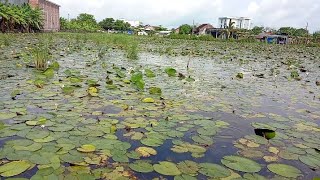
x: 172, y: 13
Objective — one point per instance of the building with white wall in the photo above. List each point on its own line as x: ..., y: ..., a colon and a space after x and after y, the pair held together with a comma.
x: 239, y: 22
x: 132, y: 23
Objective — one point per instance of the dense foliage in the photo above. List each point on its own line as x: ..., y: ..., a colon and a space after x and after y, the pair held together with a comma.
x: 84, y: 22
x: 20, y: 18
x: 112, y: 24
x: 185, y: 29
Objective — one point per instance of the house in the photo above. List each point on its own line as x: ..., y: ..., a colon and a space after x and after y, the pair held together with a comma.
x: 239, y: 22
x: 273, y: 38
x: 202, y: 29
x: 51, y: 14
x: 132, y: 23
x: 142, y: 33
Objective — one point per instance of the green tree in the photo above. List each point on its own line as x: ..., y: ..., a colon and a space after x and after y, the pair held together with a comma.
x: 185, y: 29
x: 20, y: 18
x: 293, y: 31
x: 316, y: 34
x: 120, y: 25
x: 160, y: 28
x: 107, y: 23
x: 63, y: 23
x: 257, y: 30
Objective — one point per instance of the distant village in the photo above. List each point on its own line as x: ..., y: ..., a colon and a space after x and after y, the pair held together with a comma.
x: 226, y: 28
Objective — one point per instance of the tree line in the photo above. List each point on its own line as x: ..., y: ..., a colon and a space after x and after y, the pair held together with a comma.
x: 87, y: 22
x: 14, y: 18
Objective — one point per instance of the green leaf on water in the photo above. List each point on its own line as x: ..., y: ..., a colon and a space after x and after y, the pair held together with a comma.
x: 184, y: 177
x: 155, y: 90
x: 214, y: 170
x: 14, y: 168
x: 148, y: 100
x: 5, y: 115
x: 149, y: 73
x: 310, y: 160
x: 188, y: 167
x: 285, y: 170
x: 171, y: 72
x: 87, y: 148
x: 141, y: 166
x: 167, y: 168
x: 241, y: 164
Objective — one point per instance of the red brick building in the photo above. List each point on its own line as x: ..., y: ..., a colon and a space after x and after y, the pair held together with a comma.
x: 50, y: 14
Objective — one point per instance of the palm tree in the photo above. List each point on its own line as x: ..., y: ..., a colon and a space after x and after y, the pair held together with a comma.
x: 229, y: 30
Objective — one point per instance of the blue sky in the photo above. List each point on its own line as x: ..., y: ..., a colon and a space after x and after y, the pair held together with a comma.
x: 172, y: 13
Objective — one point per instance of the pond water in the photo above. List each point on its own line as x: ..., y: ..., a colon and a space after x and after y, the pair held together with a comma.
x: 201, y: 126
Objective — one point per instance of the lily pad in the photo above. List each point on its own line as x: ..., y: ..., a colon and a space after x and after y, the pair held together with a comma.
x: 148, y: 100
x: 241, y: 164
x: 285, y: 170
x: 14, y: 168
x: 146, y: 151
x: 188, y: 167
x: 167, y: 168
x: 312, y: 161
x: 141, y: 166
x: 214, y: 170
x: 87, y: 148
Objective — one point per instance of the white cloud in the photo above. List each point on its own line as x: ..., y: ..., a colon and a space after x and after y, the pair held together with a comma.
x: 273, y: 13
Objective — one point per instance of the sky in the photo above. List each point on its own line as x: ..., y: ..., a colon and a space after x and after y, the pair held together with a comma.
x: 172, y: 13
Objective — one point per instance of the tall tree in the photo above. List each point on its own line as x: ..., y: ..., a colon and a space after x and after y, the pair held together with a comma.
x: 185, y: 29
x: 107, y: 23
x: 257, y: 30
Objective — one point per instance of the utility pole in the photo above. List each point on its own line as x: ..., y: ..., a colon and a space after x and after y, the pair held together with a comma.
x: 68, y: 17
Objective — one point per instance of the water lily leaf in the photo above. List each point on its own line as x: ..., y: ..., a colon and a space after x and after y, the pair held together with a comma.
x: 155, y: 90
x: 87, y: 148
x: 167, y: 168
x: 68, y: 89
x: 73, y: 159
x: 241, y: 164
x: 285, y: 170
x: 93, y: 91
x: 214, y: 170
x: 285, y: 154
x: 49, y: 73
x: 148, y: 100
x: 4, y: 115
x: 61, y: 128
x: 179, y: 149
x: 153, y: 142
x: 149, y: 73
x: 37, y: 134
x: 14, y: 168
x: 273, y: 150
x: 141, y: 166
x: 253, y: 176
x: 146, y: 151
x: 33, y: 147
x: 188, y: 167
x: 202, y: 139
x: 171, y: 72
x: 184, y: 177
x: 123, y: 158
x: 137, y: 80
x: 39, y: 159
x: 311, y: 161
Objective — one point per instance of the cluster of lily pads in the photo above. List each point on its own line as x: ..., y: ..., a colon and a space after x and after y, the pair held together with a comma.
x: 95, y: 115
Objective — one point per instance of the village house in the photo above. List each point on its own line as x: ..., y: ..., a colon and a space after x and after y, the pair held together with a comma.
x: 51, y: 14
x: 203, y: 29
